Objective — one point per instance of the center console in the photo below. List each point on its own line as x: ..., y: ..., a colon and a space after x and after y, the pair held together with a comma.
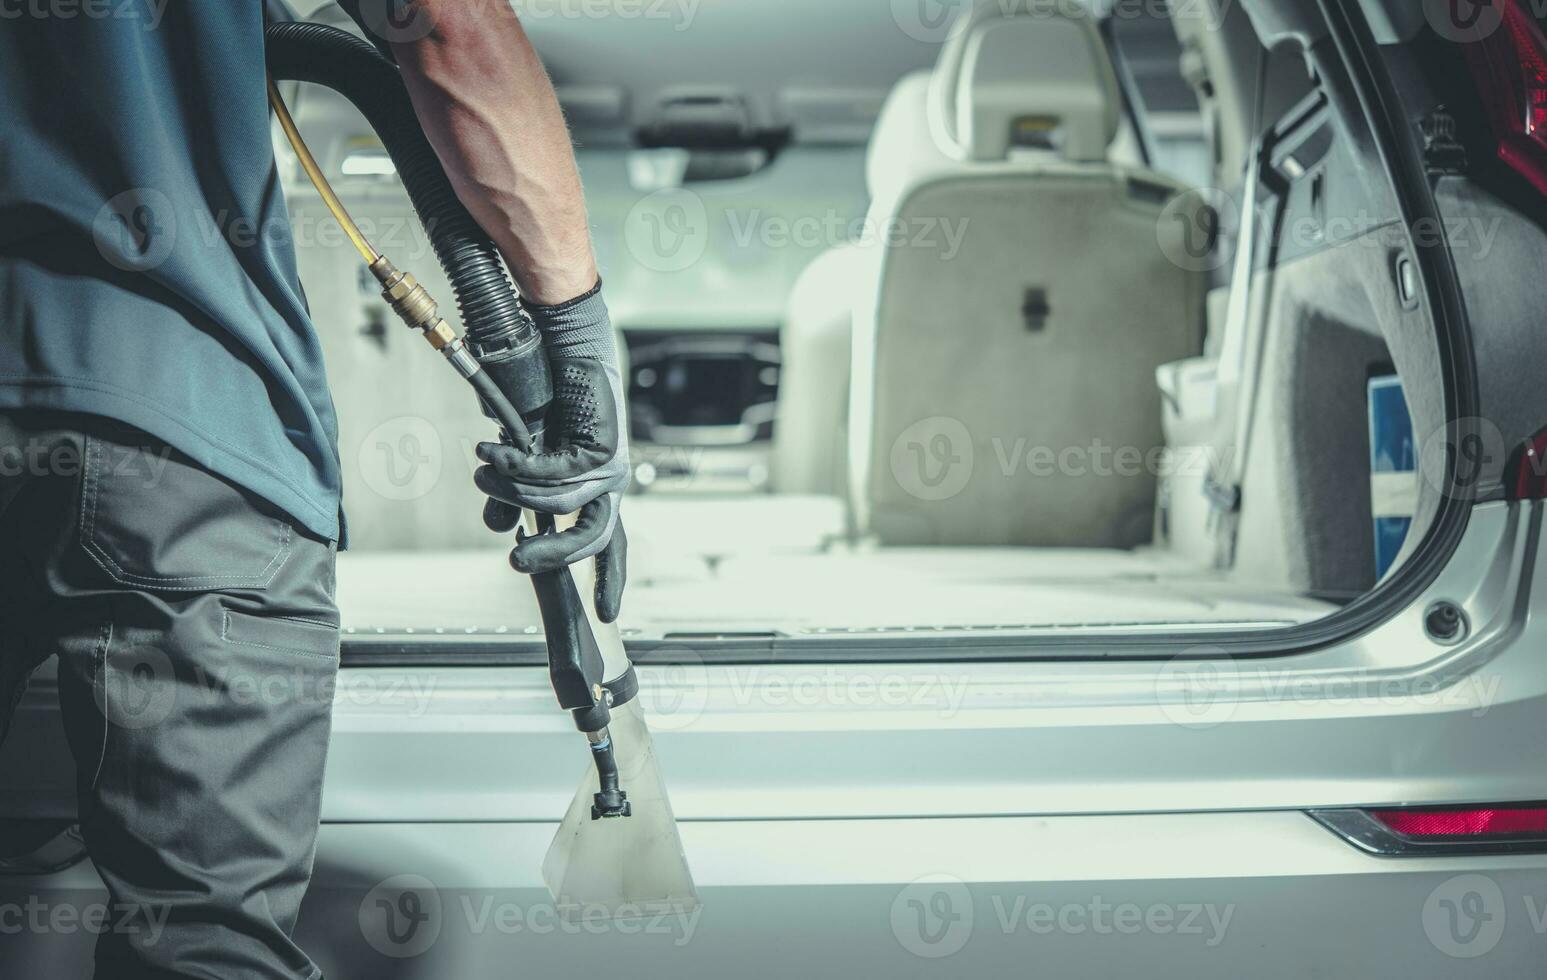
x: 701, y: 409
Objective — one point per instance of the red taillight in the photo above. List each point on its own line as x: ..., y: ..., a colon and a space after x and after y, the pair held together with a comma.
x: 1478, y: 823
x: 1511, y: 69
x: 1525, y: 477
x: 1480, y: 828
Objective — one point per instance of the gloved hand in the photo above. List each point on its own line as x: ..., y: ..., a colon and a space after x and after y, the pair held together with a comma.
x: 583, y: 464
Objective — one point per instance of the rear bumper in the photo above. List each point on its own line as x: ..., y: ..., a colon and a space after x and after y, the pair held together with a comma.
x: 1262, y: 894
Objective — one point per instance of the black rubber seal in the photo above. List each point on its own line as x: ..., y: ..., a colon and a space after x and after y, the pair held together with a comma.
x: 623, y: 687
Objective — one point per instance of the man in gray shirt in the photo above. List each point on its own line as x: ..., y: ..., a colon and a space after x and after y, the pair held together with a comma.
x: 169, y: 470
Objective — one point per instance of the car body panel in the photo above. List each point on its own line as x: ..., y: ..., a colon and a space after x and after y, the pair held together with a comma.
x: 1259, y: 894
x: 1390, y: 717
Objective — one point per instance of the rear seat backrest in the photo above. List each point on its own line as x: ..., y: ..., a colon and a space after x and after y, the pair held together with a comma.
x: 809, y: 439
x: 1020, y: 308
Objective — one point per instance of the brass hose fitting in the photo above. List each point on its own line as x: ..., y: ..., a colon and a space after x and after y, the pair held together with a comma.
x: 410, y: 301
x: 418, y: 310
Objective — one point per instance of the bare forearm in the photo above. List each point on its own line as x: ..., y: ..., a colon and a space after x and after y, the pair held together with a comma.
x: 486, y: 103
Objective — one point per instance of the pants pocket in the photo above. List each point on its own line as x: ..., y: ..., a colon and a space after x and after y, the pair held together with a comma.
x: 209, y: 747
x: 281, y: 634
x: 152, y: 518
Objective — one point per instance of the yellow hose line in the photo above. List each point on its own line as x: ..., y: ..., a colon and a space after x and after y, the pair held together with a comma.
x: 309, y: 164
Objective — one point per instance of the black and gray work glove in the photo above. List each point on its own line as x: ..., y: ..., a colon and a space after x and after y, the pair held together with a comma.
x: 583, y: 462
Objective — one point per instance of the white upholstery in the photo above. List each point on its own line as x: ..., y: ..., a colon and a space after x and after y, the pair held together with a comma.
x: 810, y: 437
x: 1066, y: 95
x: 1057, y: 69
x: 810, y: 444
x: 947, y: 340
x: 904, y: 148
x: 1015, y: 193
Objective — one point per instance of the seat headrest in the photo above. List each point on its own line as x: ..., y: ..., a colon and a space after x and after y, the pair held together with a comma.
x: 1026, y: 74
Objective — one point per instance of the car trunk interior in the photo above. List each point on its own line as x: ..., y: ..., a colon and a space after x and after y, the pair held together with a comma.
x: 765, y: 566
x: 732, y: 531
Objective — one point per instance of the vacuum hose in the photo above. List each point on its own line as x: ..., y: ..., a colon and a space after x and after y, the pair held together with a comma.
x: 503, y: 357
x: 502, y: 336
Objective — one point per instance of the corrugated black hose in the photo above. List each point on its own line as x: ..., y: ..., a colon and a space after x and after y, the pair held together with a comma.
x: 502, y: 336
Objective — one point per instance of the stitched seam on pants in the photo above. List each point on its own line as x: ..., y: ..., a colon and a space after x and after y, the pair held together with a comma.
x: 90, y: 491
x: 309, y: 622
x: 225, y: 634
x: 104, y: 642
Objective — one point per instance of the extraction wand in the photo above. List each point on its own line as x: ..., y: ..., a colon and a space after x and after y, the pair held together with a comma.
x: 636, y: 867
